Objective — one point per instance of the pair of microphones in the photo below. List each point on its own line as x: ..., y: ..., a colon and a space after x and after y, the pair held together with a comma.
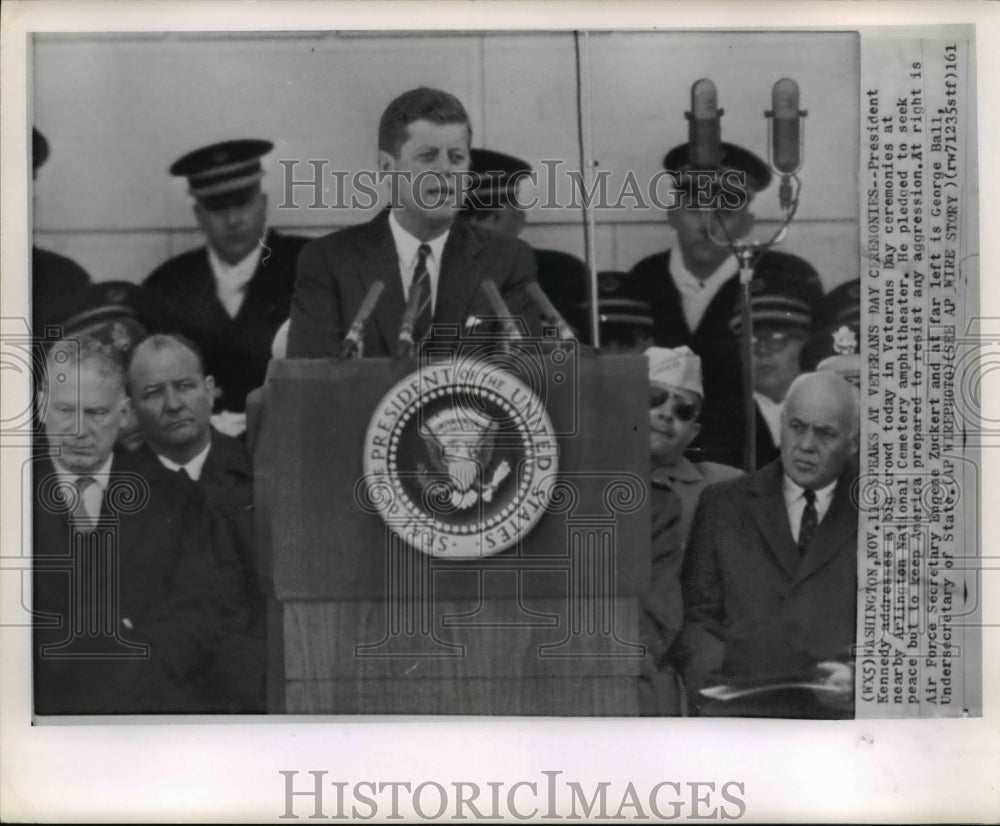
x: 705, y: 131
x: 406, y: 342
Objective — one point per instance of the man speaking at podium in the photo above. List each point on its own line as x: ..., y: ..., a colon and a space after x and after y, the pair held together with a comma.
x: 423, y: 140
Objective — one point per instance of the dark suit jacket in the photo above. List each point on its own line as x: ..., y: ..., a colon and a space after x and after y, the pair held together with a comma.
x: 662, y: 605
x: 234, y: 680
x: 170, y: 593
x: 650, y: 280
x: 753, y: 609
x: 181, y: 294
x: 227, y: 479
x: 335, y: 272
x: 723, y: 432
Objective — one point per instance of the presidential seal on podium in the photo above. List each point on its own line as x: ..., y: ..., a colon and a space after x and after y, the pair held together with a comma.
x: 460, y: 458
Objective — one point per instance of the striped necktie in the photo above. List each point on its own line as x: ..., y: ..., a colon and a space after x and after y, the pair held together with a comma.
x: 422, y: 282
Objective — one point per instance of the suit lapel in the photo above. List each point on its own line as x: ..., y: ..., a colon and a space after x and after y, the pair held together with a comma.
x: 767, y: 505
x: 459, y: 278
x: 379, y: 262
x: 837, y: 528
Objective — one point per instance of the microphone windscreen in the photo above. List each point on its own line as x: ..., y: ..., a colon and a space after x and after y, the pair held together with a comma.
x: 785, y: 125
x: 704, y: 131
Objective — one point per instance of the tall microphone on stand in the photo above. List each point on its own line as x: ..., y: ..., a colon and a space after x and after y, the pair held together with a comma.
x: 354, y: 341
x: 405, y: 344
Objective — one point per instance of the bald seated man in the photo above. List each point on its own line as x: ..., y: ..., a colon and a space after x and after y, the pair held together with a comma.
x: 172, y: 397
x: 770, y: 574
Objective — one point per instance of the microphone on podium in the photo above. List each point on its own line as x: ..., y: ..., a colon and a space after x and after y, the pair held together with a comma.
x: 353, y: 341
x: 704, y: 126
x: 549, y: 311
x: 405, y: 341
x: 500, y: 308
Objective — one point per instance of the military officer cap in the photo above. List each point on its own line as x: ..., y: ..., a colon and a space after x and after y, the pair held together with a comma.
x: 758, y: 174
x: 786, y: 291
x: 843, y: 304
x: 39, y: 149
x: 837, y: 339
x: 223, y: 174
x: 109, y: 311
x: 623, y: 317
x: 495, y: 177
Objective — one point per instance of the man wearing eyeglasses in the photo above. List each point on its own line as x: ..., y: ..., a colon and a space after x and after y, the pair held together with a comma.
x: 786, y: 296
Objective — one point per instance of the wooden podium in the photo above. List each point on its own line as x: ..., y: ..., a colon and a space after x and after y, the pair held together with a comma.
x: 362, y: 623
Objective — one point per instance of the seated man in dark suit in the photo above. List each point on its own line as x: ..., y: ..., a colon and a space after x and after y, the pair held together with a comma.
x: 128, y: 599
x: 233, y: 294
x: 423, y: 142
x: 172, y: 398
x: 770, y: 574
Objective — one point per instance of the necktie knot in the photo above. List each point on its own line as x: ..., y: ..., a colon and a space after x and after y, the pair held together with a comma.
x: 810, y: 496
x: 85, y: 511
x: 423, y: 251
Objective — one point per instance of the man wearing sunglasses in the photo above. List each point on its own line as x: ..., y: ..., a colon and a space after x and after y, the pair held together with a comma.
x: 786, y: 296
x: 675, y: 397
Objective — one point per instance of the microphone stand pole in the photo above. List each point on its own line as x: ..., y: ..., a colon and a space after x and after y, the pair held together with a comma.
x: 747, y: 256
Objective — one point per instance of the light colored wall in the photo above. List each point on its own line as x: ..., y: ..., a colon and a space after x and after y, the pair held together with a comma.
x: 117, y: 111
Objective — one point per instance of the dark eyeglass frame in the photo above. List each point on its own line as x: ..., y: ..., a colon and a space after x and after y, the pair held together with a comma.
x: 684, y: 411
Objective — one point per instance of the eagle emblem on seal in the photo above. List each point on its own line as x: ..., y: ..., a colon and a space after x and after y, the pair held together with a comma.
x: 459, y: 442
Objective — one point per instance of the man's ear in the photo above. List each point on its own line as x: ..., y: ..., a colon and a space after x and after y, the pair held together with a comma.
x: 199, y: 213
x: 386, y: 162
x: 127, y: 412
x: 210, y: 385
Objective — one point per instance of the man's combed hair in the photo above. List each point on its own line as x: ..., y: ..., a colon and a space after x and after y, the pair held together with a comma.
x: 76, y: 353
x: 422, y: 103
x: 167, y: 341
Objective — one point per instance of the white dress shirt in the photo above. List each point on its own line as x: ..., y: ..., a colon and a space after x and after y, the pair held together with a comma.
x: 93, y: 496
x: 407, y: 247
x: 231, y: 279
x: 771, y: 413
x: 193, y: 467
x: 795, y: 503
x: 697, y: 293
